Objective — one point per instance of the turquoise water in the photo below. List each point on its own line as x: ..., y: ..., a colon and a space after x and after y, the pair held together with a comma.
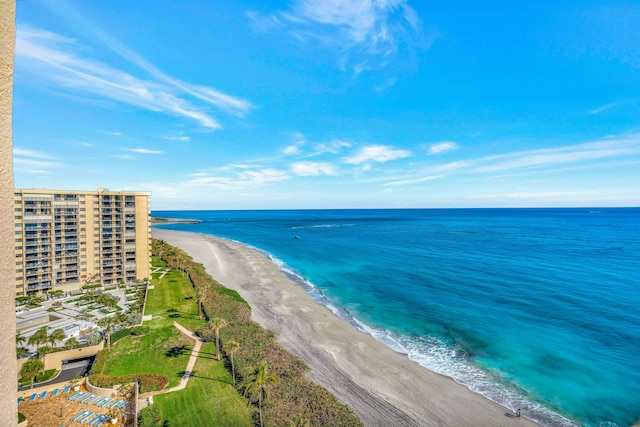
x: 536, y: 309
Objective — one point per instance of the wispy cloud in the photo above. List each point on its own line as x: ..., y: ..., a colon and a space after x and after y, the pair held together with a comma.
x: 386, y: 85
x: 591, y: 151
x: 178, y: 138
x: 21, y: 152
x: 356, y: 27
x: 414, y: 181
x: 239, y: 180
x: 54, y: 58
x: 331, y: 147
x: 143, y: 151
x: 605, y: 107
x: 441, y: 147
x: 33, y: 161
x: 313, y: 168
x: 376, y: 153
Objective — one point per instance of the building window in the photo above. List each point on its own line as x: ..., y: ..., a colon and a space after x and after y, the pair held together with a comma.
x: 18, y: 217
x: 18, y: 209
x: 19, y: 279
x: 18, y: 248
x: 18, y: 270
x: 18, y: 240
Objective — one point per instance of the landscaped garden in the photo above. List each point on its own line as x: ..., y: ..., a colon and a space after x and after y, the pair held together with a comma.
x: 157, y: 354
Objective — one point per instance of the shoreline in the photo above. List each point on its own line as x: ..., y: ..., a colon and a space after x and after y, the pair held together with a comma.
x: 383, y: 387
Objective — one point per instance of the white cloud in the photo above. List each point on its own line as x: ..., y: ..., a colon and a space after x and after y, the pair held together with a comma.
x: 441, y: 147
x: 376, y: 153
x: 414, y: 181
x: 31, y: 153
x: 386, y: 84
x: 144, y: 151
x: 242, y: 179
x: 313, y: 168
x: 363, y: 28
x: 604, y: 107
x: 20, y: 162
x: 52, y: 57
x: 611, y: 147
x: 331, y: 147
x: 33, y: 161
x: 178, y: 138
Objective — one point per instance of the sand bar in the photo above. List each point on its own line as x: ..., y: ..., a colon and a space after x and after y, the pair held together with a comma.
x: 383, y: 387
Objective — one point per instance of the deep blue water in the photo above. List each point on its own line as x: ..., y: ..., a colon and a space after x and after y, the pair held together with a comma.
x: 533, y: 308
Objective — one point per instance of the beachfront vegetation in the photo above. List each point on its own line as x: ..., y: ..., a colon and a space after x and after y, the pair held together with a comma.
x: 156, y: 355
x: 294, y: 397
x: 215, y: 325
x: 256, y: 384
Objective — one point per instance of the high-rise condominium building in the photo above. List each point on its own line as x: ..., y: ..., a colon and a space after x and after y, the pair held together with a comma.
x: 65, y: 239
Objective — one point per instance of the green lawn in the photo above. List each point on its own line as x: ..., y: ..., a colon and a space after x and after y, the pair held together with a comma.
x: 165, y: 350
x: 209, y: 398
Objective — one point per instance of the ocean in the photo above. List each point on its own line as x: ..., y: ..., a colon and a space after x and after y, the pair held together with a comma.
x: 537, y: 309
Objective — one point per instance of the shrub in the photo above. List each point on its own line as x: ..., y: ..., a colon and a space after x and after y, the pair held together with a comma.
x: 148, y: 382
x: 150, y: 416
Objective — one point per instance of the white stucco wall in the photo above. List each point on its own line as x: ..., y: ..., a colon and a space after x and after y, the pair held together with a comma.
x: 8, y: 374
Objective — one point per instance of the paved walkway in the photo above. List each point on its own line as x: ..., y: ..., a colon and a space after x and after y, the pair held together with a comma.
x: 161, y: 270
x: 142, y: 399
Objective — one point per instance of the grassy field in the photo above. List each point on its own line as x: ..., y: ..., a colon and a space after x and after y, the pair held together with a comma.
x: 209, y: 398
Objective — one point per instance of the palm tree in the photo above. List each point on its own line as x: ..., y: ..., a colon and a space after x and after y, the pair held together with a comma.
x: 56, y: 336
x: 71, y: 342
x: 109, y: 324
x: 43, y: 351
x: 216, y: 324
x: 256, y: 385
x: 20, y: 339
x: 21, y: 351
x: 31, y: 369
x: 159, y: 247
x: 39, y: 337
x: 92, y: 278
x: 201, y: 294
x: 230, y: 348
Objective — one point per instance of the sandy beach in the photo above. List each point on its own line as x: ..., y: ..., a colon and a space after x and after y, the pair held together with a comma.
x: 383, y: 387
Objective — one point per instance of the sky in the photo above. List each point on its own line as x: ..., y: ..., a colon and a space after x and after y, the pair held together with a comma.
x: 331, y: 103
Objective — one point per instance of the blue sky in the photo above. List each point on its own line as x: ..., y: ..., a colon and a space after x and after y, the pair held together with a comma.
x: 331, y: 104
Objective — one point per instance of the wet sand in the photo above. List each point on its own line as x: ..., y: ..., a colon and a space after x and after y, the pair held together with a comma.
x: 383, y: 387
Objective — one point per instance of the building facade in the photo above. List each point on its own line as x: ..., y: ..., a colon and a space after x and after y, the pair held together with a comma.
x: 65, y: 239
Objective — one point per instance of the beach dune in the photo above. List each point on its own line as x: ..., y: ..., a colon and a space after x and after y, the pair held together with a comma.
x: 382, y: 386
